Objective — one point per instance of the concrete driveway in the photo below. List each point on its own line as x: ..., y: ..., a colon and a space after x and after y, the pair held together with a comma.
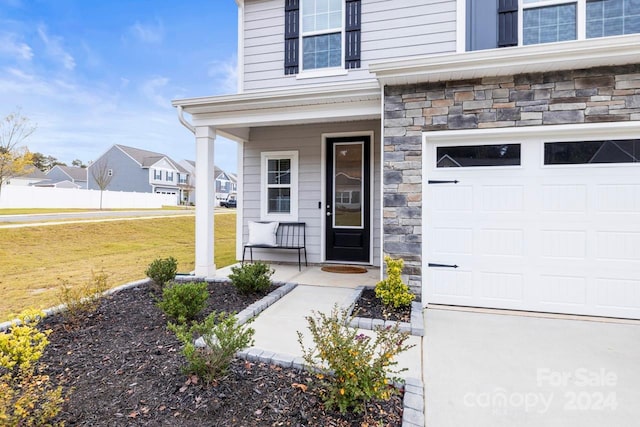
x: 505, y: 370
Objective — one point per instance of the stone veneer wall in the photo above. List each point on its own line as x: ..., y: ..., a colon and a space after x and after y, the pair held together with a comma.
x: 603, y: 94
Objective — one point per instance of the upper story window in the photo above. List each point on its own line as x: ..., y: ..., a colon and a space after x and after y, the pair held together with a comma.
x: 321, y: 35
x: 561, y: 20
x: 157, y: 174
x: 169, y: 176
x: 528, y: 22
x: 182, y: 178
x: 322, y: 27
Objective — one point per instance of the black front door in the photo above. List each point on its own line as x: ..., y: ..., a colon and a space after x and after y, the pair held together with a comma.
x: 348, y: 199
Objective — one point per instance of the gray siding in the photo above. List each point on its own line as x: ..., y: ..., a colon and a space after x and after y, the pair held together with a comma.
x: 307, y: 140
x: 127, y: 174
x: 56, y: 175
x: 390, y: 29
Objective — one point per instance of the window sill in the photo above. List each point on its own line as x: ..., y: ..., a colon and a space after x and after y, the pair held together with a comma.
x: 328, y: 72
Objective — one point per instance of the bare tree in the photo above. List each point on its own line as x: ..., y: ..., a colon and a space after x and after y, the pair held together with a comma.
x: 15, y: 160
x: 102, y: 175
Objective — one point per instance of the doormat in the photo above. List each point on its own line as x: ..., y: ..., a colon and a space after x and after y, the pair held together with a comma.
x: 344, y: 269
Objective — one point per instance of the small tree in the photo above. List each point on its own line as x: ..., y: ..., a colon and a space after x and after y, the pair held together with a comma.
x: 15, y: 160
x: 102, y: 175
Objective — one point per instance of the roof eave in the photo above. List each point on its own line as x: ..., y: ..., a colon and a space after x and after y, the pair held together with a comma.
x: 590, y: 53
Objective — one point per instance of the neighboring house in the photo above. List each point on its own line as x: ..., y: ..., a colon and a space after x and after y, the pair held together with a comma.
x: 63, y: 176
x: 225, y: 182
x: 132, y: 169
x: 33, y: 177
x: 496, y: 144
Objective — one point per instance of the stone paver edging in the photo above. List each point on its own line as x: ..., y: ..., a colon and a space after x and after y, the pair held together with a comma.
x: 416, y: 327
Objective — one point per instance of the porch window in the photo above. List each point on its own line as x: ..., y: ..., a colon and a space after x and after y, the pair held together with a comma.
x: 279, y: 175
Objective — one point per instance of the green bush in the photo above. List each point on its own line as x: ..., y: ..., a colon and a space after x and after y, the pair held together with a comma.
x: 391, y: 291
x: 84, y: 299
x: 184, y: 301
x: 223, y: 338
x: 162, y: 270
x: 26, y: 396
x: 357, y: 366
x: 251, y: 278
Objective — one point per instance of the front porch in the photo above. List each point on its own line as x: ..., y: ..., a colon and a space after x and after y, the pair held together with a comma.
x: 314, y: 276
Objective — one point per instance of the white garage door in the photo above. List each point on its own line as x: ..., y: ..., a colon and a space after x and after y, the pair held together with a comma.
x: 534, y: 225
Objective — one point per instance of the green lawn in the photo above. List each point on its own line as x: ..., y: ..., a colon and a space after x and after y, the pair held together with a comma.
x: 36, y: 259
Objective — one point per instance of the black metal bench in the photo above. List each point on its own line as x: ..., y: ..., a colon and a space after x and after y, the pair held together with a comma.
x: 289, y: 235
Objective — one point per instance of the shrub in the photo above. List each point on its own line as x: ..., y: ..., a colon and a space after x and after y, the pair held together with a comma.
x: 223, y: 338
x: 84, y: 299
x: 162, y: 270
x: 357, y: 366
x: 26, y: 396
x: 391, y: 291
x: 251, y: 278
x: 183, y: 301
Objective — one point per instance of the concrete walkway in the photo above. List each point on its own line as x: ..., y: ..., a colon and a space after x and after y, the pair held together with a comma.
x: 277, y: 327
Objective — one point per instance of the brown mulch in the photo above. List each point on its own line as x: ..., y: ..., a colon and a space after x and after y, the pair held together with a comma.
x: 368, y: 305
x: 122, y: 367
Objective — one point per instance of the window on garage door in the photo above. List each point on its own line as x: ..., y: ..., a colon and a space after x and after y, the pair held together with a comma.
x: 586, y: 152
x: 478, y: 155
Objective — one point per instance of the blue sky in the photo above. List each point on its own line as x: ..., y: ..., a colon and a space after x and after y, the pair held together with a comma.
x: 96, y: 73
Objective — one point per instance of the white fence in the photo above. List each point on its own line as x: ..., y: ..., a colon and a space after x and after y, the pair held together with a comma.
x: 47, y: 197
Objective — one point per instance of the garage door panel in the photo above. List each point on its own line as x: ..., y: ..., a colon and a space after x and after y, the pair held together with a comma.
x: 618, y: 245
x: 564, y: 244
x: 614, y: 294
x: 500, y: 286
x: 564, y: 290
x: 449, y: 198
x: 564, y: 198
x: 450, y: 240
x: 505, y: 242
x: 621, y: 198
x: 502, y: 198
x: 452, y: 286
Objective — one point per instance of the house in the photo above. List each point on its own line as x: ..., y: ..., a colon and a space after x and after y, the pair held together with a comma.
x: 473, y: 128
x: 66, y: 177
x: 225, y: 182
x: 124, y: 168
x: 32, y: 177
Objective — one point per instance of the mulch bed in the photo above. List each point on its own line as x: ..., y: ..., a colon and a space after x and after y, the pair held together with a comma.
x: 368, y: 305
x: 122, y: 367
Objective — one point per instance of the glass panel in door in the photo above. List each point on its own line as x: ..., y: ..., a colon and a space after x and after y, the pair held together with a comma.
x: 348, y: 185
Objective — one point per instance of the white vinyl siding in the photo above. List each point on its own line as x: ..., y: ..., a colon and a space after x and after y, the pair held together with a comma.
x: 390, y: 29
x: 307, y: 141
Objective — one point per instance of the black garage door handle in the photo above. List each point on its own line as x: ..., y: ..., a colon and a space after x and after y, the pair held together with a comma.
x: 443, y: 265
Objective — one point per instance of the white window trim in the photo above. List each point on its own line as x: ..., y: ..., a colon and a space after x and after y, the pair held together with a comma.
x: 327, y: 71
x: 265, y: 156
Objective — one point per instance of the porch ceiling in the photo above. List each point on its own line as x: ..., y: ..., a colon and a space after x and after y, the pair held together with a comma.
x: 510, y: 61
x: 235, y: 114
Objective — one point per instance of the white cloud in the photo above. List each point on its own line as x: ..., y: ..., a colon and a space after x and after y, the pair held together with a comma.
x: 55, y: 49
x: 148, y: 33
x: 9, y: 45
x: 225, y: 75
x: 152, y: 90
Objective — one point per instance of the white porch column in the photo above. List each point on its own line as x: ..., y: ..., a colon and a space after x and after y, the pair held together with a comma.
x: 205, y: 201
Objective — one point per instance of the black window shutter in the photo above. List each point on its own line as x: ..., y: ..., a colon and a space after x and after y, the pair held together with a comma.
x: 507, y: 23
x: 291, y: 36
x: 352, y: 34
